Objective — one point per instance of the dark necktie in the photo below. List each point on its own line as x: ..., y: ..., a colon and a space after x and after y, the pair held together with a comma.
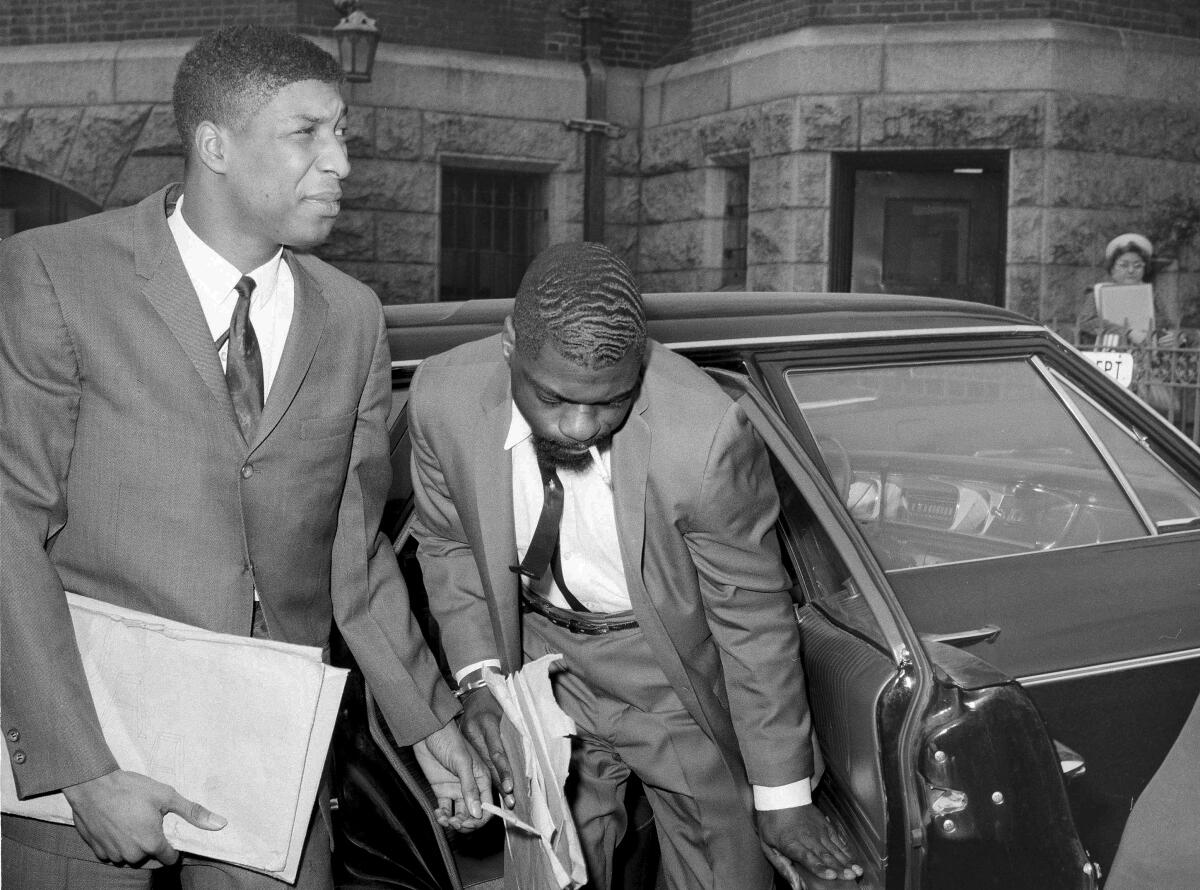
x: 243, y: 362
x: 543, y: 546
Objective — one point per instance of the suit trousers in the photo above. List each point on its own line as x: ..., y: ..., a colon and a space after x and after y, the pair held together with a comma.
x: 630, y: 721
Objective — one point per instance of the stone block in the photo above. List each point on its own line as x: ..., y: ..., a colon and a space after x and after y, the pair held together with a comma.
x: 391, y: 185
x: 494, y: 137
x: 731, y: 133
x: 1012, y: 120
x: 143, y: 174
x: 49, y: 133
x: 103, y: 140
x: 395, y: 283
x: 1095, y: 181
x: 406, y: 237
x: 792, y: 180
x: 623, y: 199
x: 957, y: 66
x: 352, y: 238
x: 811, y: 227
x: 58, y: 74
x: 850, y: 68
x: 670, y: 147
x: 1023, y: 289
x: 694, y: 95
x: 564, y: 197
x: 144, y: 70
x: 1077, y: 237
x: 12, y: 131
x: 672, y: 247
x: 159, y: 135
x: 398, y: 133
x: 674, y: 196
x: 1066, y: 287
x: 771, y: 237
x: 1124, y: 127
x: 360, y: 131
x: 1025, y: 234
x: 1026, y: 177
x: 623, y: 156
x: 826, y: 124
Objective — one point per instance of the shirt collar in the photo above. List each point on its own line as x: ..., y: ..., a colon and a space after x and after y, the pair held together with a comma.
x: 518, y: 429
x: 212, y: 275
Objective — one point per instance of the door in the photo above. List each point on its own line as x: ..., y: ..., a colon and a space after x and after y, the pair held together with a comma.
x: 931, y: 232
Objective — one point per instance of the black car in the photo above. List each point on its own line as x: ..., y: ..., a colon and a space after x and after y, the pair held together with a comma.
x: 994, y: 552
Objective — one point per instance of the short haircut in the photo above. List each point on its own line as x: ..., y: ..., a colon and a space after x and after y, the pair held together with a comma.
x: 583, y: 298
x: 232, y: 73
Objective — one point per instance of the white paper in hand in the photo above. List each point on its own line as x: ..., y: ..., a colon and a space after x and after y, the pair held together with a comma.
x: 239, y: 725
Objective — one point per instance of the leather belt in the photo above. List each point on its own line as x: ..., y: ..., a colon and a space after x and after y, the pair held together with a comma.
x: 590, y: 623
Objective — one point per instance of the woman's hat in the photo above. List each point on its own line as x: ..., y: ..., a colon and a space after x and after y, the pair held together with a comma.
x: 1122, y: 243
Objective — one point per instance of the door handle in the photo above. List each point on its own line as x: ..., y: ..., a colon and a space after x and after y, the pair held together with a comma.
x: 985, y: 634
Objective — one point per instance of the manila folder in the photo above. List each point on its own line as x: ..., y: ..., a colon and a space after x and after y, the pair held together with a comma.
x: 239, y: 725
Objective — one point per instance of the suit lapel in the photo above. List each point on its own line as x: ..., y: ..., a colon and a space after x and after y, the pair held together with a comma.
x: 169, y: 290
x: 630, y: 466
x: 492, y: 510
x: 308, y: 324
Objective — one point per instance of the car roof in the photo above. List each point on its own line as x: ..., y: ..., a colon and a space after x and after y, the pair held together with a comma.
x: 419, y: 330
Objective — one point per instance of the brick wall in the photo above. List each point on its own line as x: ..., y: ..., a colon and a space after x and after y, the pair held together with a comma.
x: 722, y: 23
x: 640, y: 34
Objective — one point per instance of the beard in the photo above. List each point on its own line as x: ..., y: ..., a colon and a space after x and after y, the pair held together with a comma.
x: 568, y: 457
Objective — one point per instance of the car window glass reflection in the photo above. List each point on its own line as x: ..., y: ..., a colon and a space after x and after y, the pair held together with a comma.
x: 1171, y: 502
x: 945, y: 462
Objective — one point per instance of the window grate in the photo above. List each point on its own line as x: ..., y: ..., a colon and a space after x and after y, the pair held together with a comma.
x: 492, y: 224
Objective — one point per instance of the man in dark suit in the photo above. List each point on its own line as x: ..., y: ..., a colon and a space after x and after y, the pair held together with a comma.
x: 633, y: 500
x: 195, y: 426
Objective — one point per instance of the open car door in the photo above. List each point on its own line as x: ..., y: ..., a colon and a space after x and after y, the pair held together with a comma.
x: 938, y: 766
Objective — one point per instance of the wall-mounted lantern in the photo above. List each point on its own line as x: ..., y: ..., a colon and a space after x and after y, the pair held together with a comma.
x: 357, y: 38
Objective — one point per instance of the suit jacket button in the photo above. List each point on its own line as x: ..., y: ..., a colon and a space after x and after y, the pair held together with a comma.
x: 18, y: 757
x: 13, y: 735
x: 247, y: 471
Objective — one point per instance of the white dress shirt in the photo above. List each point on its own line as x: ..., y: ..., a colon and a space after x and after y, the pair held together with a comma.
x: 591, y: 555
x: 214, y: 277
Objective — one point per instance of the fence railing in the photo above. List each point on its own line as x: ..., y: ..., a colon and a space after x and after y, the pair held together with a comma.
x: 1166, y: 371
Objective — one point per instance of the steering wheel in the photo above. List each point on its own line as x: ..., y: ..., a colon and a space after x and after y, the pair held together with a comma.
x: 837, y: 460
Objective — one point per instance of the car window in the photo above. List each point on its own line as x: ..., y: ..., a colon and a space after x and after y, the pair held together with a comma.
x: 1169, y: 501
x: 953, y: 461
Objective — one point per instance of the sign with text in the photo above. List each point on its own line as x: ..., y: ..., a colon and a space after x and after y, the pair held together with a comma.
x: 1117, y: 365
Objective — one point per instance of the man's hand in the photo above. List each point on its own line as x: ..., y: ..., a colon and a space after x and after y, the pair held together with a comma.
x: 457, y: 777
x: 803, y: 835
x: 481, y: 725
x: 120, y: 815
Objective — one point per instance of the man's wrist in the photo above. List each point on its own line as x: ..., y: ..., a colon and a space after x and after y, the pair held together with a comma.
x: 474, y: 680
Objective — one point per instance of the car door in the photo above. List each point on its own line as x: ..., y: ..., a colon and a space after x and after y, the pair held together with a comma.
x: 1038, y: 520
x: 938, y: 765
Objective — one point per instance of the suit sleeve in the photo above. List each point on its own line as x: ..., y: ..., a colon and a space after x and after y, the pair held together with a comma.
x: 50, y: 724
x: 731, y: 537
x: 370, y: 598
x: 456, y: 594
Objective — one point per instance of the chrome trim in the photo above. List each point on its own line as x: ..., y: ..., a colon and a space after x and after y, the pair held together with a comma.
x: 856, y: 335
x: 397, y: 364
x: 1058, y: 387
x: 826, y: 338
x: 1112, y: 667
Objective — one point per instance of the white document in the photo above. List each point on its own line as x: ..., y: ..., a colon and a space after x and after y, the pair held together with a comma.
x: 543, y: 846
x: 239, y: 725
x: 1127, y: 305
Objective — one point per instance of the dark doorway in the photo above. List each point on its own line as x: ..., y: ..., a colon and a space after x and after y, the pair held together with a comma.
x: 928, y: 223
x: 28, y: 201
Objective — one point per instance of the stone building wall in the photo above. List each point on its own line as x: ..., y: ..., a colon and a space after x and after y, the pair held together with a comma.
x: 1101, y: 129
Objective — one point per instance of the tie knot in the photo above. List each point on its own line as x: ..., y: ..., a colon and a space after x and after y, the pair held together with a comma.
x: 244, y: 287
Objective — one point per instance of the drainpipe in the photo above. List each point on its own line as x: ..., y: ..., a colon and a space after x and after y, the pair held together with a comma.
x: 594, y: 124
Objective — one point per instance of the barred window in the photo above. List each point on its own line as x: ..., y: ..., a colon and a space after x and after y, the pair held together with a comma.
x: 492, y: 226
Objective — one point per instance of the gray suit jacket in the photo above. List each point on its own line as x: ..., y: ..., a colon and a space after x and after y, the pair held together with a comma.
x: 125, y: 478
x: 695, y: 508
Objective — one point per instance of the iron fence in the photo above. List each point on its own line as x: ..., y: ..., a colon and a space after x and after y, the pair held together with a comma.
x: 1166, y: 370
